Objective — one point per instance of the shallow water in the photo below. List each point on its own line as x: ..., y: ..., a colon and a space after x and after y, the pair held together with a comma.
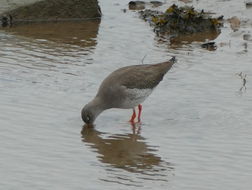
x: 196, y: 129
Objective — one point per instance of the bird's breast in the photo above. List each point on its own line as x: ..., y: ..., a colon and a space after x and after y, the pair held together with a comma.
x: 133, y: 97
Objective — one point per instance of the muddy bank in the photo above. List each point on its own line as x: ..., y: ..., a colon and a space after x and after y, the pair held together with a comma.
x: 53, y: 10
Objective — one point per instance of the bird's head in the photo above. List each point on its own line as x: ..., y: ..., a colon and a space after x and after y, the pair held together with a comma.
x: 90, y: 112
x: 87, y: 115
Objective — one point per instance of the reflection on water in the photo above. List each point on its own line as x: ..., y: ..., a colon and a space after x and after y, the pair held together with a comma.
x: 62, y: 47
x: 81, y: 33
x: 128, y: 152
x: 178, y: 41
x: 244, y: 81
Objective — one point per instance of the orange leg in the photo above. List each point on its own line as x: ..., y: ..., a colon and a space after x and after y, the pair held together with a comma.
x: 133, y: 116
x: 140, y: 107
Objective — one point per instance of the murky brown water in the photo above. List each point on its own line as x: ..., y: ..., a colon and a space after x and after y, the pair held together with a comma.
x: 196, y: 131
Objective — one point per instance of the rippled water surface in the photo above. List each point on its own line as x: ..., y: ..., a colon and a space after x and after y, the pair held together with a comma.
x: 197, y: 125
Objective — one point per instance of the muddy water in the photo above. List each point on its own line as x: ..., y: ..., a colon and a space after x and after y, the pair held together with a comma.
x: 196, y: 129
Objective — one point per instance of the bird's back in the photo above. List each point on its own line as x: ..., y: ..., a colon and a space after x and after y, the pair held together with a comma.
x: 139, y: 76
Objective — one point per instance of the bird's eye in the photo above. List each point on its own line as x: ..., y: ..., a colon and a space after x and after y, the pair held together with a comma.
x: 88, y: 117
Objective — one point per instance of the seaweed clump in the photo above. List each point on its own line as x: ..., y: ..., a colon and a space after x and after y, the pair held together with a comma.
x: 182, y: 20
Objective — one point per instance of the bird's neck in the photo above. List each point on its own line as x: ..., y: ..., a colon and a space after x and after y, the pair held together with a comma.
x: 98, y: 105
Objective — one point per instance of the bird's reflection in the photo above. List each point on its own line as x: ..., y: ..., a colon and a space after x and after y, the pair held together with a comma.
x: 181, y: 40
x: 125, y: 151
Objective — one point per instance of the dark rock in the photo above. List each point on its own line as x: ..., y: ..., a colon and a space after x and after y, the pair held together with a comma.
x: 6, y: 21
x: 156, y: 3
x: 52, y: 10
x: 209, y: 46
x: 136, y: 5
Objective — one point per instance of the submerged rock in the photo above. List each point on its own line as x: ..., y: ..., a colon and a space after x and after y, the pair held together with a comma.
x: 156, y: 3
x: 136, y: 5
x: 209, y: 46
x: 181, y: 20
x: 140, y: 5
x: 55, y: 10
x: 186, y: 1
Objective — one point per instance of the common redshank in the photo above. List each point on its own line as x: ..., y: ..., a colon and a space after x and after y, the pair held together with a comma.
x: 126, y: 88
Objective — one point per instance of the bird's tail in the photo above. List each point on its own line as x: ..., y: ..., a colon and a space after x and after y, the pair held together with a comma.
x: 167, y: 65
